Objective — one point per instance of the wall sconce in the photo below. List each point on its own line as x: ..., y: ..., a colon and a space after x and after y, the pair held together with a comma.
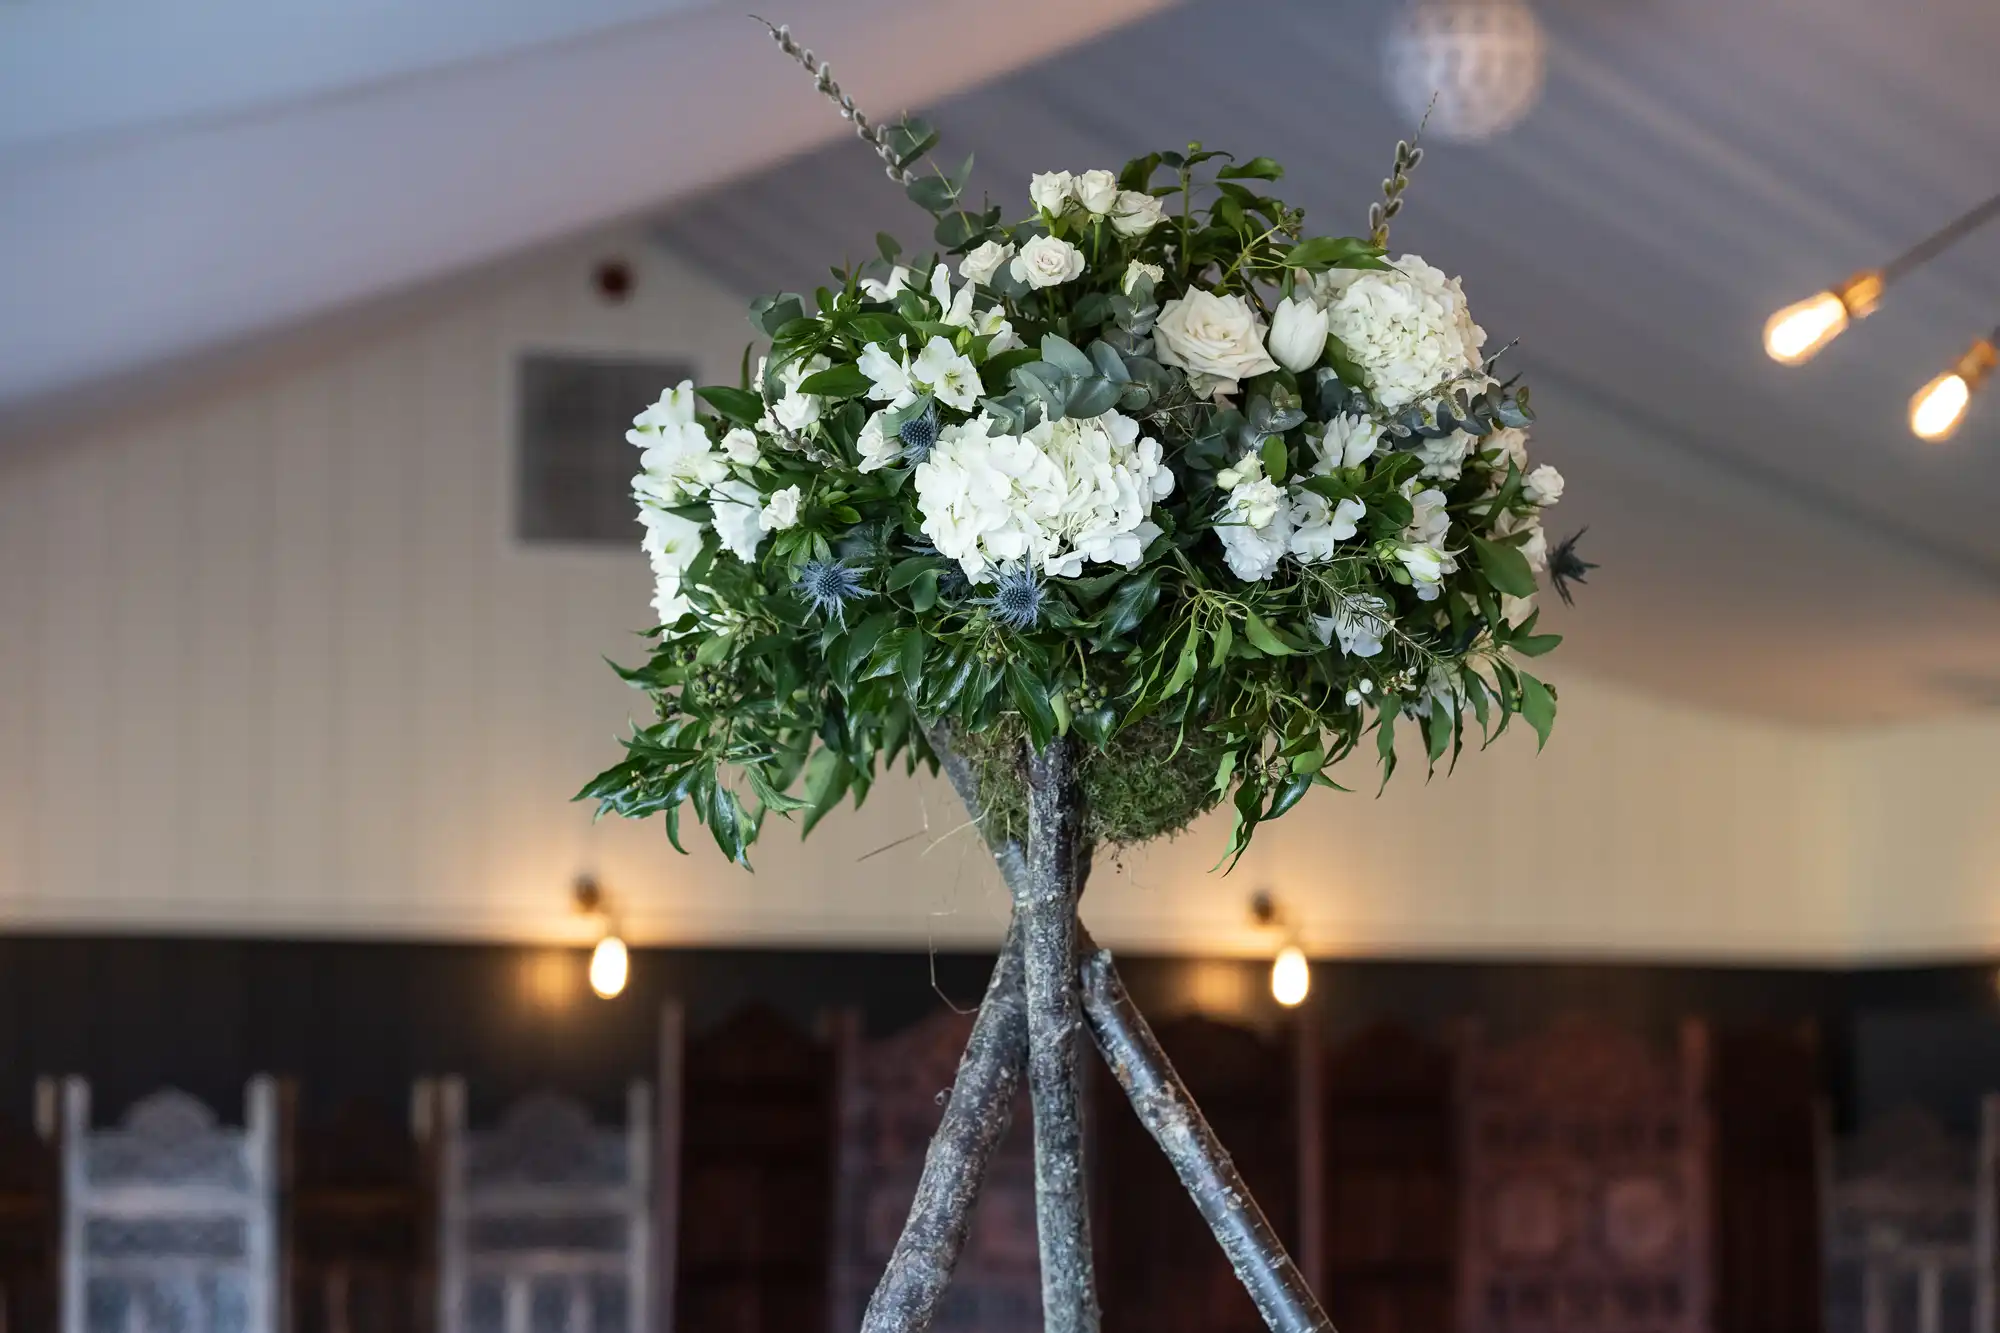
x: 610, y: 960
x: 1291, y: 973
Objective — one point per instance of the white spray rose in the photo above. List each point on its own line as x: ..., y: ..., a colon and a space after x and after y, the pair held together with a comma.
x: 781, y: 511
x: 1407, y: 328
x: 1097, y: 191
x: 1217, y: 340
x: 1255, y: 522
x: 1543, y: 486
x: 877, y: 447
x: 984, y: 262
x: 736, y: 505
x: 1514, y: 609
x: 1535, y: 549
x: 795, y: 411
x: 1052, y: 190
x: 1511, y: 443
x: 1136, y: 270
x: 1298, y: 334
x: 743, y: 447
x: 1046, y: 261
x: 1135, y: 213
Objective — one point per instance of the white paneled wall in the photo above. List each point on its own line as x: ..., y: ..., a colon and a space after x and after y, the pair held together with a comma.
x: 271, y: 662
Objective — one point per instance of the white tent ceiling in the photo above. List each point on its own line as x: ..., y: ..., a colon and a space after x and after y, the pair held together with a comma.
x: 1773, y: 541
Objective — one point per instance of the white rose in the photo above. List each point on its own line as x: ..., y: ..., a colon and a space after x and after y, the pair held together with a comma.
x: 1097, y: 191
x: 1217, y: 340
x: 735, y: 505
x: 781, y: 511
x: 984, y: 262
x: 743, y: 447
x: 1046, y: 261
x: 1544, y: 486
x: 1135, y: 213
x: 1298, y: 334
x: 1051, y: 190
x: 1136, y: 270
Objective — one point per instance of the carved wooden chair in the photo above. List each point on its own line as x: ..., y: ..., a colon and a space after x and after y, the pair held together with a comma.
x: 169, y: 1219
x: 546, y: 1220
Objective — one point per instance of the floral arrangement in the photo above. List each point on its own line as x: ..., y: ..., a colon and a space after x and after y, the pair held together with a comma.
x: 1149, y: 463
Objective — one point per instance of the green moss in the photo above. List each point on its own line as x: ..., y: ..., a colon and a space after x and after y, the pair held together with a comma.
x: 1138, y: 789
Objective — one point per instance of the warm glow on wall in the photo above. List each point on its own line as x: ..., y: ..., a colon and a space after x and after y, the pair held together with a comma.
x: 610, y: 964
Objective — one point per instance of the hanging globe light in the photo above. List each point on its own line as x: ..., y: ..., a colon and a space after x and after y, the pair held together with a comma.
x: 1482, y: 60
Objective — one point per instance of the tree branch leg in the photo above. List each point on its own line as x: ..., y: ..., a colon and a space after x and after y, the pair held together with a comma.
x: 1045, y: 910
x: 1210, y: 1178
x: 975, y: 1121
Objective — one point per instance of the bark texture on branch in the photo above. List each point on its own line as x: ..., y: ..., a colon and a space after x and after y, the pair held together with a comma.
x: 1210, y: 1178
x: 975, y: 1120
x: 1045, y: 909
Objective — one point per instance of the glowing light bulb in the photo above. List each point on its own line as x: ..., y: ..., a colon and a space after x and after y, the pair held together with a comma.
x: 610, y: 964
x: 1939, y: 406
x: 1796, y: 332
x: 1799, y: 331
x: 1291, y: 976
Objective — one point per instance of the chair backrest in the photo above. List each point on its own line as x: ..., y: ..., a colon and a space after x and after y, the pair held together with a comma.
x: 1586, y: 1206
x: 1909, y: 1228
x: 545, y: 1220
x: 169, y: 1219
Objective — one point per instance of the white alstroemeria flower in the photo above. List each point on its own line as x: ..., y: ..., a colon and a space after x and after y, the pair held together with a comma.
x: 1349, y: 441
x: 1255, y: 522
x: 1052, y: 191
x: 956, y: 310
x: 1135, y: 213
x: 1047, y: 261
x: 1137, y: 270
x: 674, y: 409
x: 877, y: 290
x: 1217, y: 340
x: 985, y: 261
x: 736, y: 505
x: 1406, y: 327
x: 994, y: 323
x: 1066, y: 493
x: 781, y: 511
x: 743, y: 447
x: 1360, y: 622
x: 795, y: 411
x: 1444, y: 457
x: 948, y: 375
x: 1319, y: 525
x: 1297, y: 339
x: 877, y: 447
x: 1428, y: 519
x: 1097, y: 191
x: 1543, y: 486
x: 888, y: 375
x: 671, y: 543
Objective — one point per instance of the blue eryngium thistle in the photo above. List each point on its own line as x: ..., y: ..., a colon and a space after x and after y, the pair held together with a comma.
x: 827, y: 585
x: 918, y: 435
x: 1017, y: 598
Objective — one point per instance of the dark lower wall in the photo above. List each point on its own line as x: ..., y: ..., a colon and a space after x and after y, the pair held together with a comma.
x: 361, y: 1020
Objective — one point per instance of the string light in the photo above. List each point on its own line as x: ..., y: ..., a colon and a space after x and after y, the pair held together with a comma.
x: 1937, y: 409
x: 610, y: 964
x: 1291, y: 976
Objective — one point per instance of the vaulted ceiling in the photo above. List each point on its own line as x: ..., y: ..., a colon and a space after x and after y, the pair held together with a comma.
x: 1773, y: 541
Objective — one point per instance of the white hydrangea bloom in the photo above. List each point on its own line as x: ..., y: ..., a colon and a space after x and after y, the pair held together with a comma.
x: 1255, y: 522
x: 1065, y: 493
x: 1360, y: 622
x: 1349, y: 441
x: 1407, y: 328
x: 736, y: 504
x: 743, y: 447
x: 1319, y: 525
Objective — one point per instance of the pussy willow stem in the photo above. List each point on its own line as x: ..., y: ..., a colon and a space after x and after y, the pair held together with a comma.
x: 870, y: 133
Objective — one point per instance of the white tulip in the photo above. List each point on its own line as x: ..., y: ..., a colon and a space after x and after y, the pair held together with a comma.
x: 1297, y: 339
